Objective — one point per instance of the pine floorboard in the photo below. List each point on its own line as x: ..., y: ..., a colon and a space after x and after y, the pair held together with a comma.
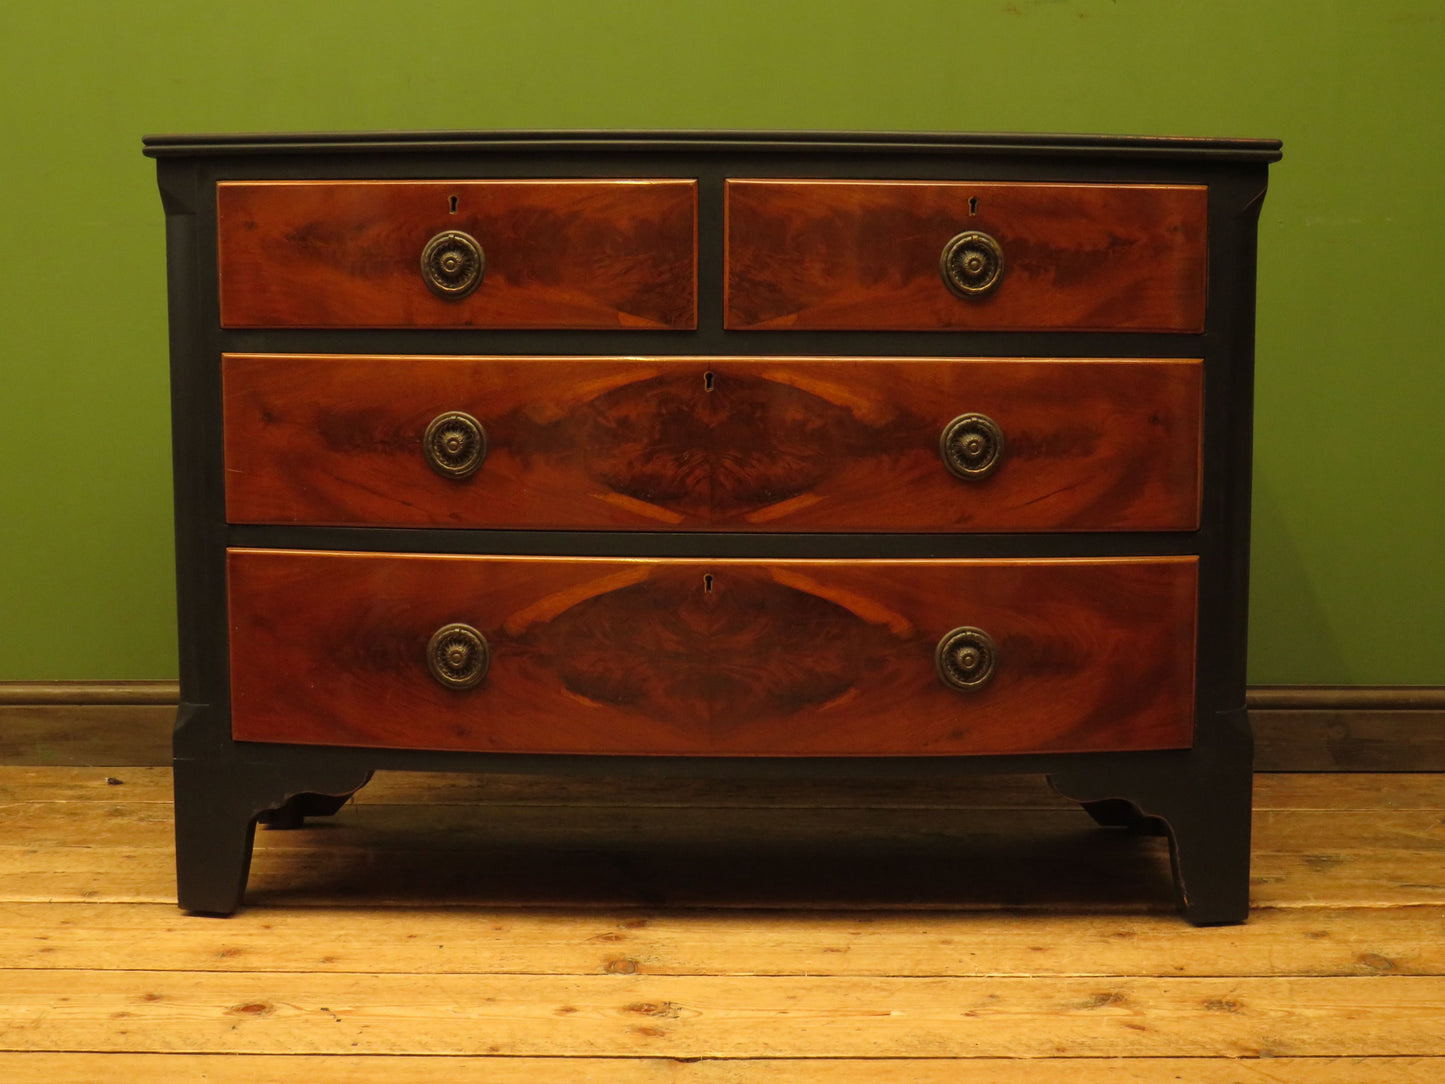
x: 530, y: 929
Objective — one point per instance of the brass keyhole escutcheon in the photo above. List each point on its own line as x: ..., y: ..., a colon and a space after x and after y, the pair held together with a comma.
x: 452, y: 264
x: 458, y: 656
x: 966, y: 658
x: 971, y: 264
x: 971, y: 446
x: 455, y: 444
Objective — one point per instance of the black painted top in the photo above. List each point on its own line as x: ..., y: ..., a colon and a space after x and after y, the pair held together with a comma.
x: 1109, y: 146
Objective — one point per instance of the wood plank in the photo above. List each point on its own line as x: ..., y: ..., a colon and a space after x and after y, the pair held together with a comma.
x: 712, y: 443
x: 447, y: 828
x: 433, y: 940
x: 600, y: 254
x: 539, y: 860
x: 717, y: 658
x: 1338, y: 791
x: 1344, y: 792
x: 69, y: 783
x: 864, y: 255
x: 87, y: 1068
x: 570, y: 879
x: 99, y: 847
x: 694, y: 1017
x: 1067, y: 977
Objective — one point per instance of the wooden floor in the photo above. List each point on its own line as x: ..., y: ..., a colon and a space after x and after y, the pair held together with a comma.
x: 446, y: 929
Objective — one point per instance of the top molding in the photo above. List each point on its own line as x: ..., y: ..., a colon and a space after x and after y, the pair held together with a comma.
x: 1103, y: 146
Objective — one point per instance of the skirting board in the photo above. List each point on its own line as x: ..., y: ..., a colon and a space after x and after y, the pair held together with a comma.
x: 1324, y: 728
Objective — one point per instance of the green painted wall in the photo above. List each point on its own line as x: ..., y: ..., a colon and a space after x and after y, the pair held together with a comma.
x: 1349, y: 577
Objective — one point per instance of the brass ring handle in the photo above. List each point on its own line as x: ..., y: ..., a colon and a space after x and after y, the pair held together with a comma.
x: 455, y: 444
x: 972, y: 446
x: 971, y: 264
x: 458, y: 656
x: 452, y: 264
x: 966, y: 658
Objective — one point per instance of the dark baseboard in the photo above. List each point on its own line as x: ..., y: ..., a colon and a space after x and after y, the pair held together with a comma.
x: 1348, y: 728
x: 1298, y: 728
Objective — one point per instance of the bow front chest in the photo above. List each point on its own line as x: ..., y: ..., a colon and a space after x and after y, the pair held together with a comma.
x: 713, y: 454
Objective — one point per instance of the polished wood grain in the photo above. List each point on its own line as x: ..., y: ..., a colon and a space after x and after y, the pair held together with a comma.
x: 860, y: 255
x: 559, y: 254
x: 712, y: 657
x: 758, y: 444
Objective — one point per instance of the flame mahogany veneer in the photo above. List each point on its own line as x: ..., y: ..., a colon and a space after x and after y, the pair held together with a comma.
x: 707, y: 443
x: 559, y: 254
x: 742, y: 658
x: 863, y: 255
x: 713, y: 532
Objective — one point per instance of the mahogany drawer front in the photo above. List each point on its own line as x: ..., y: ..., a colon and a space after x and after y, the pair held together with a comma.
x: 759, y: 444
x: 865, y: 255
x: 723, y: 657
x: 593, y: 254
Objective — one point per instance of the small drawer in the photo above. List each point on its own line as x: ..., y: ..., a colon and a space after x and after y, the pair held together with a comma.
x: 492, y: 254
x: 722, y: 443
x: 919, y: 256
x: 723, y: 657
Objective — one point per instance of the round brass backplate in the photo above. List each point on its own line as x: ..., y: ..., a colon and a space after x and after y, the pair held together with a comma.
x: 455, y: 444
x: 971, y: 264
x: 458, y: 656
x: 452, y: 263
x: 966, y: 658
x: 971, y: 446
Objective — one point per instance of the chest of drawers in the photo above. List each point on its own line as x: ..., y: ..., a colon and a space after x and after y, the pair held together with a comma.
x: 718, y: 454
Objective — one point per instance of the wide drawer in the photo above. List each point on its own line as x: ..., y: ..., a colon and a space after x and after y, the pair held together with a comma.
x: 785, y: 444
x: 548, y: 254
x: 876, y: 255
x: 725, y: 657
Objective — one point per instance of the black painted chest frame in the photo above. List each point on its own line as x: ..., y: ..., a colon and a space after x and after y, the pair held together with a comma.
x: 1199, y: 797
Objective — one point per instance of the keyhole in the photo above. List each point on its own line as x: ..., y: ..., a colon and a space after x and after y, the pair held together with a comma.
x: 707, y: 583
x: 972, y: 205
x: 453, y: 203
x: 707, y: 380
